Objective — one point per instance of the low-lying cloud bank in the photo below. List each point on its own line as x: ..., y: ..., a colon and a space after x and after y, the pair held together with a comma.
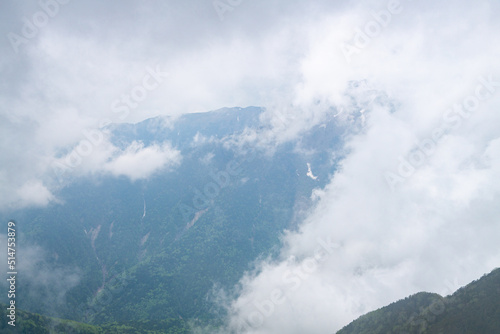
x: 414, y: 205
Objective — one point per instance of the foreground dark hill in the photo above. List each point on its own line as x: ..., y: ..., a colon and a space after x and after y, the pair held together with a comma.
x: 32, y: 323
x: 473, y: 309
x: 113, y: 249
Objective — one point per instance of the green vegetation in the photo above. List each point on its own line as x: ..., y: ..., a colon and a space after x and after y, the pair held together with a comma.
x: 138, y: 256
x: 473, y: 309
x: 32, y: 323
x: 145, y: 256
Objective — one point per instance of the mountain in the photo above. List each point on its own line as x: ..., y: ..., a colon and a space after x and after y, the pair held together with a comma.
x: 473, y: 309
x: 32, y: 323
x: 112, y: 249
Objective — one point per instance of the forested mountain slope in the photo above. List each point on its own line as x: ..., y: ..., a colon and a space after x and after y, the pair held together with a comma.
x: 153, y: 249
x: 473, y: 309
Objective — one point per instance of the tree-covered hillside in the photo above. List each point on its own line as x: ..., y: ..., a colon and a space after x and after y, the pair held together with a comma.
x: 473, y: 309
x: 32, y: 323
x: 148, y: 250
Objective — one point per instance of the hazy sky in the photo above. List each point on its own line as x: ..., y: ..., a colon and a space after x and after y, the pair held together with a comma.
x: 414, y: 205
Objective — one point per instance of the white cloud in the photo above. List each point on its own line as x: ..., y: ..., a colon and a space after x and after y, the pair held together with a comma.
x: 38, y: 271
x: 31, y: 193
x: 200, y: 140
x: 96, y: 155
x: 389, y: 243
x: 435, y: 226
x: 207, y: 158
x: 438, y: 225
x: 139, y: 162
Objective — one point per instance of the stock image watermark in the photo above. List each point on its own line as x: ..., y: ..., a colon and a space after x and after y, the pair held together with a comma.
x: 121, y: 107
x: 95, y: 305
x: 421, y: 320
x: 32, y: 25
x: 224, y: 6
x: 452, y: 119
x: 292, y: 280
x: 220, y: 179
x: 425, y: 316
x: 12, y: 273
x: 370, y: 30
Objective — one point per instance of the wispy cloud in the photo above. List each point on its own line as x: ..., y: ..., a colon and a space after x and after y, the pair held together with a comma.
x: 437, y: 226
x: 139, y: 162
x: 37, y: 272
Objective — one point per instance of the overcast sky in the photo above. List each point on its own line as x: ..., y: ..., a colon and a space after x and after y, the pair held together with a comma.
x: 414, y: 205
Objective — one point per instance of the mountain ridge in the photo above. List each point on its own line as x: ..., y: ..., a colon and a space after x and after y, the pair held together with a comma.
x: 472, y: 309
x: 149, y: 249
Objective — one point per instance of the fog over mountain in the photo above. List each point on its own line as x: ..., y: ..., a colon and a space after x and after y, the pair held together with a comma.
x: 388, y: 111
